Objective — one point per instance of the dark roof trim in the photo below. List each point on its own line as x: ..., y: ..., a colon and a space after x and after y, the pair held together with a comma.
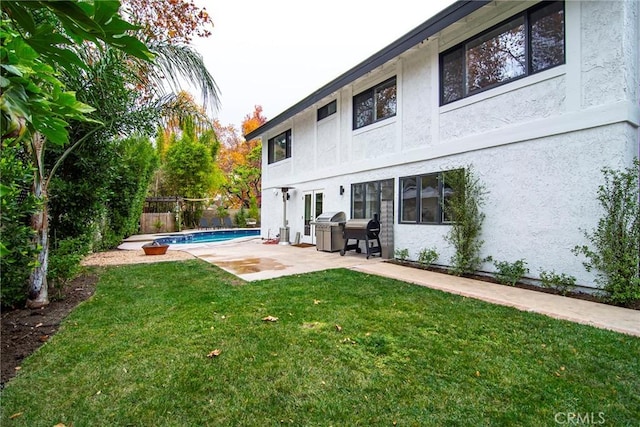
x: 437, y: 23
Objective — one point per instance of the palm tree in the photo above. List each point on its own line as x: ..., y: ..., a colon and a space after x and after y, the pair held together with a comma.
x: 104, y: 28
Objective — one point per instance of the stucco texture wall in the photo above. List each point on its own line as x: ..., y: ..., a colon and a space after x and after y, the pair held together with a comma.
x: 556, y: 131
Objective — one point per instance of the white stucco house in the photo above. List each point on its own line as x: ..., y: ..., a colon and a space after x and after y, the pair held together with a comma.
x: 536, y: 96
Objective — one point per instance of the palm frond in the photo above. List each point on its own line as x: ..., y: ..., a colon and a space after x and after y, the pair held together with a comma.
x: 176, y: 65
x: 177, y: 109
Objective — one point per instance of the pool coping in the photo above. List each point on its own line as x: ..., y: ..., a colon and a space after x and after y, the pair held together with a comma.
x: 131, y: 243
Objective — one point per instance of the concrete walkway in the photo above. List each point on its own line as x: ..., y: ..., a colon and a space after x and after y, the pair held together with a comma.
x: 251, y: 260
x: 595, y: 314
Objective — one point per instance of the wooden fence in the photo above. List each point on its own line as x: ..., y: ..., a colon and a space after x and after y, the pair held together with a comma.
x: 157, y: 223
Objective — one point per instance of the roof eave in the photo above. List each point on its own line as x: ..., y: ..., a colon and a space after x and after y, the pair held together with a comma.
x: 433, y: 25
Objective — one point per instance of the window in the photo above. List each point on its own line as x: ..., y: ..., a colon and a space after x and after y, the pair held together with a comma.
x: 367, y: 197
x: 528, y: 43
x: 422, y: 199
x: 327, y: 110
x: 376, y: 103
x: 280, y: 147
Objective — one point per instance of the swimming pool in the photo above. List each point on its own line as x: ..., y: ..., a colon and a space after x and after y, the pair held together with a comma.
x: 207, y: 236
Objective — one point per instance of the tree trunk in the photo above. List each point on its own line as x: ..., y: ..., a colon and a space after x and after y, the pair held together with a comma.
x: 38, y: 288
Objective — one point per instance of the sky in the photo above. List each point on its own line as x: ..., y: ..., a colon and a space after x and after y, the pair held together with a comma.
x: 275, y: 53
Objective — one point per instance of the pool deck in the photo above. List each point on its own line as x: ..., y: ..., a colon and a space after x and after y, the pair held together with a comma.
x: 251, y: 259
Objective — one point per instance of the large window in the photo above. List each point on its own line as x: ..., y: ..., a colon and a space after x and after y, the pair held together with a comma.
x: 367, y: 197
x: 280, y: 147
x: 530, y: 42
x: 376, y: 103
x: 423, y: 197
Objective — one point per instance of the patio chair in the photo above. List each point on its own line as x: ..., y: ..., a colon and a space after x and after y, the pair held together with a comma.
x: 203, y: 223
x: 215, y: 222
x: 227, y: 222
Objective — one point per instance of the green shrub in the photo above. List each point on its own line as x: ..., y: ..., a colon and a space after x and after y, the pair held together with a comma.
x: 428, y: 256
x: 254, y: 212
x: 64, y: 260
x: 509, y: 273
x: 561, y: 282
x: 158, y: 225
x: 222, y: 212
x: 241, y: 218
x: 616, y: 240
x: 17, y: 204
x: 402, y: 254
x: 463, y: 207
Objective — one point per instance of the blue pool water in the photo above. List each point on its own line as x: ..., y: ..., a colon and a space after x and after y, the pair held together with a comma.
x: 207, y: 236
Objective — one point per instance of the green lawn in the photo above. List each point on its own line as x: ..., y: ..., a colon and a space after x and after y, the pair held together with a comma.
x: 347, y: 349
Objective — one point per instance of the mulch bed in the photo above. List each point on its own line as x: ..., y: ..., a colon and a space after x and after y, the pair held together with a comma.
x: 24, y: 330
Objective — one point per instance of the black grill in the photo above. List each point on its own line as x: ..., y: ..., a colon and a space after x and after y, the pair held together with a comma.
x: 362, y: 229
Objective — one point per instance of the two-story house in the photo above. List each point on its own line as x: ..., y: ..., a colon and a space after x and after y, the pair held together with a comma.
x: 537, y: 97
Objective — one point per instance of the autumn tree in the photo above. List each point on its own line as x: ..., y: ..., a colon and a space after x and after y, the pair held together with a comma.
x: 241, y: 162
x: 173, y: 21
x: 168, y: 27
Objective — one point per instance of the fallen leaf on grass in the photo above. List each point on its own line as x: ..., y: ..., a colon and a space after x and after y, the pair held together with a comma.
x: 316, y: 301
x: 16, y: 415
x: 270, y: 319
x: 477, y: 373
x: 338, y: 328
x: 214, y: 353
x: 60, y: 425
x: 44, y: 338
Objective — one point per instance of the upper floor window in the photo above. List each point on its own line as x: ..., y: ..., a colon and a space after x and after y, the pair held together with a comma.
x: 327, y: 110
x: 525, y: 44
x: 280, y: 147
x: 423, y: 198
x: 376, y: 103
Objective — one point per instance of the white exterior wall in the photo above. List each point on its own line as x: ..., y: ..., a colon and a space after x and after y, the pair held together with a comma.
x: 538, y: 144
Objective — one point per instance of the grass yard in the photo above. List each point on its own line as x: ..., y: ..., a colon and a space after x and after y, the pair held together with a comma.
x: 347, y: 349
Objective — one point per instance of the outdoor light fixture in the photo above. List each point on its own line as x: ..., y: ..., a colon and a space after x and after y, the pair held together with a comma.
x: 341, y: 190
